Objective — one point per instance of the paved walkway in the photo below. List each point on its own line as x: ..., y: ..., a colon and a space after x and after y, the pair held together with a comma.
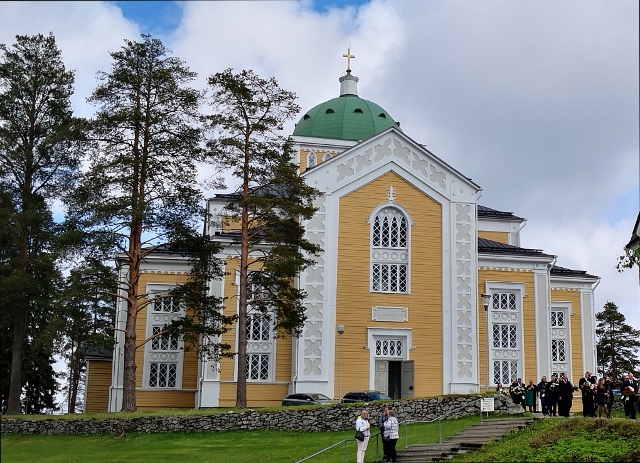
x: 471, y: 438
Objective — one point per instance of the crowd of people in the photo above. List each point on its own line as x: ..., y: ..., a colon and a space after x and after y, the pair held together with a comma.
x: 556, y: 395
x: 556, y: 399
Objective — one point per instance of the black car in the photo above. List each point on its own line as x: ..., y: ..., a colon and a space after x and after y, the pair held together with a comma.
x: 364, y: 396
x: 307, y: 398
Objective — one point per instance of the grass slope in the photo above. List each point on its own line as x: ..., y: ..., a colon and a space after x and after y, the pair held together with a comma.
x: 227, y: 447
x: 565, y: 440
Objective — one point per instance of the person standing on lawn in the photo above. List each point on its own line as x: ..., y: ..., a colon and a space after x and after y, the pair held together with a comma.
x: 565, y: 396
x: 586, y: 387
x: 530, y: 396
x: 385, y: 442
x: 630, y: 395
x: 362, y: 424
x: 542, y: 391
x: 391, y: 435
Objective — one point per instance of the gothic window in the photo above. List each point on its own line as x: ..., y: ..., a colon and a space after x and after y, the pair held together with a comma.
x: 326, y: 157
x: 164, y: 352
x: 390, y: 251
x: 312, y: 160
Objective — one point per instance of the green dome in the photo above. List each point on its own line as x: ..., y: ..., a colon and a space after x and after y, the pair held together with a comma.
x: 347, y: 117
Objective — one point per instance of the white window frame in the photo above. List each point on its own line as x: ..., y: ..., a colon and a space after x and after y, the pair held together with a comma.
x: 326, y: 156
x: 505, y: 317
x: 564, y: 307
x: 381, y: 334
x: 392, y: 256
x: 158, y: 319
x: 256, y: 347
x: 312, y: 160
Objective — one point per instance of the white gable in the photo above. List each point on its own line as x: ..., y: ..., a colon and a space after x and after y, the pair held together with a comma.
x: 392, y: 150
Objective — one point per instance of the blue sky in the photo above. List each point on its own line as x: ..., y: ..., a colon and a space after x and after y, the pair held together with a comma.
x: 155, y: 17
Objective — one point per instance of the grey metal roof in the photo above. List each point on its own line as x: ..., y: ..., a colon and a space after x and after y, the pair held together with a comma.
x: 495, y: 247
x: 562, y: 271
x: 488, y: 213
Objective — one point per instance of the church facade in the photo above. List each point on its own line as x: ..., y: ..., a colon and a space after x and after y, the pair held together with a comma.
x: 419, y: 290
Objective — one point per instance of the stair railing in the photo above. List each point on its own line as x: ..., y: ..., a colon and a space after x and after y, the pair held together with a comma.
x: 439, y: 419
x: 405, y: 423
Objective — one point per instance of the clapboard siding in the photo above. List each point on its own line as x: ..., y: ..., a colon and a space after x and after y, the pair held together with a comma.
x: 501, y: 237
x: 147, y: 399
x: 98, y: 383
x: 354, y: 299
x: 575, y: 325
x: 528, y: 321
x: 258, y: 394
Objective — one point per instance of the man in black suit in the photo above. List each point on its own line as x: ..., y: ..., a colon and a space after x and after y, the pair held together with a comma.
x: 586, y: 384
x: 553, y: 391
x: 630, y: 399
x: 542, y: 389
x: 565, y: 396
x: 517, y: 397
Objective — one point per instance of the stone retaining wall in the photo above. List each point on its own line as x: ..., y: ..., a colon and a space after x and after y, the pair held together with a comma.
x: 334, y: 418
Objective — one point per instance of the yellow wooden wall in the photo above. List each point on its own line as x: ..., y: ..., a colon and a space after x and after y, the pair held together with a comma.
x: 154, y: 399
x: 98, y: 383
x: 500, y: 237
x: 304, y: 153
x: 355, y: 300
x: 528, y: 321
x: 572, y: 296
x: 258, y: 393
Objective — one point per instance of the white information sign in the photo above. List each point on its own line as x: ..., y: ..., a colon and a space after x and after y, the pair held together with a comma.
x: 487, y: 405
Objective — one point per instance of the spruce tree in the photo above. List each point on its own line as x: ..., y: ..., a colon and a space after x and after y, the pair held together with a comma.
x: 39, y: 158
x: 617, y: 346
x: 272, y: 199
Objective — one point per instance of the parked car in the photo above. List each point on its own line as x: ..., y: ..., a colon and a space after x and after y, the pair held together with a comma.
x: 364, y: 396
x: 307, y: 398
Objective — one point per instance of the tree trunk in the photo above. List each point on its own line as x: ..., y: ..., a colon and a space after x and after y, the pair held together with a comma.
x: 129, y: 377
x: 17, y: 348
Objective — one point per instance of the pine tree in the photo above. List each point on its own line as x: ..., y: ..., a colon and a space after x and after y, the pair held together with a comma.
x: 269, y: 204
x: 617, y: 346
x: 140, y: 193
x: 39, y: 158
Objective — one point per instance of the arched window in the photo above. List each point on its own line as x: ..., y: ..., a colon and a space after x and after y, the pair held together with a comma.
x: 326, y: 157
x: 390, y: 251
x: 312, y: 160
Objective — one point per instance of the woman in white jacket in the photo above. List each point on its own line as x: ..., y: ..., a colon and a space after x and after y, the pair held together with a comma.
x: 362, y: 424
x: 391, y: 433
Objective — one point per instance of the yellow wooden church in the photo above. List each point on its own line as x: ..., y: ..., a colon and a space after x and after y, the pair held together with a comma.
x: 419, y: 290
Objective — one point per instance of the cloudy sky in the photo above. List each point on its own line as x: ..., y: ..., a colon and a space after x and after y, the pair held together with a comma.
x: 537, y: 102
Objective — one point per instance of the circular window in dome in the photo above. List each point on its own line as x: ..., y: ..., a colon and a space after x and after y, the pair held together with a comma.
x: 306, y: 116
x: 329, y: 111
x: 358, y: 110
x: 382, y: 115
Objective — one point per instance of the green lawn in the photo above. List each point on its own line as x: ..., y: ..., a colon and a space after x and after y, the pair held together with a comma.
x: 227, y: 447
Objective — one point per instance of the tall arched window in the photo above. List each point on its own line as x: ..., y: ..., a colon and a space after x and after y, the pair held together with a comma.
x: 390, y: 251
x: 326, y: 157
x: 311, y: 160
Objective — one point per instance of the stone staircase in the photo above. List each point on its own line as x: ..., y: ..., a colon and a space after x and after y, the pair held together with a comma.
x: 471, y: 438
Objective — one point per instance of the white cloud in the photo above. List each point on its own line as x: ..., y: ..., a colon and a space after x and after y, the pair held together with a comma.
x: 537, y: 102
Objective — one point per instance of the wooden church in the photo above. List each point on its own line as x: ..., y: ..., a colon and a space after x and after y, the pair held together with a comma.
x: 419, y: 290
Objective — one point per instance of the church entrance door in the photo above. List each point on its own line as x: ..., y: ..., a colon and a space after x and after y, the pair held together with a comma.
x: 394, y: 378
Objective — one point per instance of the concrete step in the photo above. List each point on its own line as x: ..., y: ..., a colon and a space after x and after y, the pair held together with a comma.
x: 471, y: 438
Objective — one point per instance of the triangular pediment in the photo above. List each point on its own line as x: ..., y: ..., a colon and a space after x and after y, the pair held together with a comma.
x: 392, y: 150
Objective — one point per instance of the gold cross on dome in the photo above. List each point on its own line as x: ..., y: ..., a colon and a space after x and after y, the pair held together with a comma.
x: 348, y: 55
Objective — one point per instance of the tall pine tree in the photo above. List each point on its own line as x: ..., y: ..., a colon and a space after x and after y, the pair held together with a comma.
x: 140, y: 190
x: 39, y: 158
x: 617, y: 346
x: 272, y: 199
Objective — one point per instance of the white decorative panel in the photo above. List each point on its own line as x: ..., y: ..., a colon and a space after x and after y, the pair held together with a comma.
x: 312, y: 281
x: 465, y: 355
x: 403, y: 155
x: 389, y: 314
